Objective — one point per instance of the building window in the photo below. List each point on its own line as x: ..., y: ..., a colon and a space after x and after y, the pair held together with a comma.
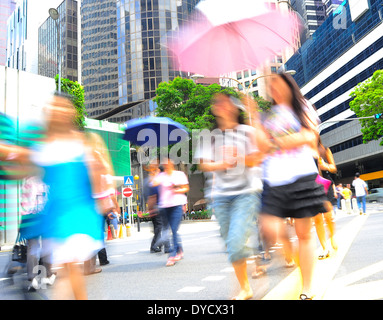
x: 239, y: 75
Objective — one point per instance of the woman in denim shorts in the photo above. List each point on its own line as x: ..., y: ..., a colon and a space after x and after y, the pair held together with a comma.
x: 227, y: 154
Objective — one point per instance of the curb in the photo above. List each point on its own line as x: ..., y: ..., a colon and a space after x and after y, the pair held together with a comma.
x: 6, y: 248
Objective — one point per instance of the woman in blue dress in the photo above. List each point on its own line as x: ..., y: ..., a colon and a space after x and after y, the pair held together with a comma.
x: 70, y: 224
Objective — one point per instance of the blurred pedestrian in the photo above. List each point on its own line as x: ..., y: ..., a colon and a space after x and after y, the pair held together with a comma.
x: 113, y: 218
x: 326, y: 165
x: 361, y: 192
x: 71, y: 225
x: 173, y: 185
x: 347, y: 195
x: 104, y: 192
x: 290, y: 187
x: 151, y: 193
x: 339, y: 195
x: 227, y: 154
x: 34, y: 195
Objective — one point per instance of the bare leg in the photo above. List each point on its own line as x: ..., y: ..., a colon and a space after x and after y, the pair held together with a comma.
x: 329, y: 217
x: 77, y: 281
x: 240, y: 268
x: 321, y: 232
x: 306, y: 252
x: 287, y: 246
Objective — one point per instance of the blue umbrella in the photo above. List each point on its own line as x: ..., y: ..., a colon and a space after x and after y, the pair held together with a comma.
x: 154, y: 131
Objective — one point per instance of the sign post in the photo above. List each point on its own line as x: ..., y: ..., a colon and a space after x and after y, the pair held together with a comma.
x: 127, y: 194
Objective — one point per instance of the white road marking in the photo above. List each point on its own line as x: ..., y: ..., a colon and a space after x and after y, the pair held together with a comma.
x: 214, y: 278
x: 229, y: 269
x: 132, y: 252
x: 191, y: 289
x: 290, y: 287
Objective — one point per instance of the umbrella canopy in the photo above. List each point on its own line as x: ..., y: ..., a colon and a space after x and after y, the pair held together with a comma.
x: 154, y: 131
x: 232, y: 35
x: 200, y: 202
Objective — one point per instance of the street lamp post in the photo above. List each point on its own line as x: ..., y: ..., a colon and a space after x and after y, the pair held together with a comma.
x: 139, y: 187
x: 54, y: 14
x: 136, y: 177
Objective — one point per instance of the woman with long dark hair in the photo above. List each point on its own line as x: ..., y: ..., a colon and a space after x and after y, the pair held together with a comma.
x: 290, y: 187
x: 326, y: 164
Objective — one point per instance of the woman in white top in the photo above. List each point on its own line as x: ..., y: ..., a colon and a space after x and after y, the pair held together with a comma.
x: 173, y: 185
x: 290, y: 187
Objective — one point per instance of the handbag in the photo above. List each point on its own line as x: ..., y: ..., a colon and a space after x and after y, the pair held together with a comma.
x: 19, y: 251
x: 324, y: 182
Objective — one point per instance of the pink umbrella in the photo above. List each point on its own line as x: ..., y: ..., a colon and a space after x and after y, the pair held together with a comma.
x: 232, y: 35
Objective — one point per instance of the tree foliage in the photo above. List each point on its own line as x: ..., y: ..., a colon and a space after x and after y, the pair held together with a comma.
x: 263, y: 104
x: 188, y: 103
x: 368, y: 101
x: 76, y: 91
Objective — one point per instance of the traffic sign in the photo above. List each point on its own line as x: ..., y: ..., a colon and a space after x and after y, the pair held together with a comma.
x: 127, y: 192
x: 128, y: 180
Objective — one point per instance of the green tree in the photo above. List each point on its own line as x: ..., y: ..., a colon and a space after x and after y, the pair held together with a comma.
x: 263, y: 104
x: 76, y: 91
x: 367, y: 101
x: 188, y: 103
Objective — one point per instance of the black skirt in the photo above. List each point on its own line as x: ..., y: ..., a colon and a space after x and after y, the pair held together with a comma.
x: 300, y: 199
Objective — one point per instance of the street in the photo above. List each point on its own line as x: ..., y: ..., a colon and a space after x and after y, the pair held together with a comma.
x: 354, y: 272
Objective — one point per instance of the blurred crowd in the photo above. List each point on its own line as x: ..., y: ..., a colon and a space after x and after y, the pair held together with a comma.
x: 264, y: 167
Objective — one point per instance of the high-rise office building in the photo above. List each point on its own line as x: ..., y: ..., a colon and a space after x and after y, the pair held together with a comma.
x: 22, y: 33
x: 6, y: 8
x: 331, y: 5
x: 48, y: 42
x: 143, y: 59
x: 346, y: 50
x: 99, y: 55
x: 313, y: 13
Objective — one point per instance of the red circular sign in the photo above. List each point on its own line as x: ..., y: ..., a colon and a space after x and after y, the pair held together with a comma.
x: 127, y: 192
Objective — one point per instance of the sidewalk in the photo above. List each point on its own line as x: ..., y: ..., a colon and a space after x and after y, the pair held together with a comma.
x: 146, y: 230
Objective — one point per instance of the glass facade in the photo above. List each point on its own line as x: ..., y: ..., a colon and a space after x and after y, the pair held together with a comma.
x: 345, y: 51
x: 99, y: 55
x: 16, y: 37
x: 334, y: 37
x: 6, y: 8
x: 313, y: 13
x: 327, y: 45
x: 67, y: 23
x: 143, y: 60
